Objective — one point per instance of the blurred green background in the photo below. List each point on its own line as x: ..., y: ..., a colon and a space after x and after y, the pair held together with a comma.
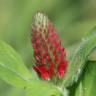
x: 72, y: 18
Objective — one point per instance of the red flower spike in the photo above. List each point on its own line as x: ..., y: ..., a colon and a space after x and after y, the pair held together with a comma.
x: 61, y: 69
x: 48, y: 53
x: 42, y: 71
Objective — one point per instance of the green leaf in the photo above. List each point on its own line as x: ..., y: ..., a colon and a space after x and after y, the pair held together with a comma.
x: 78, y: 59
x: 87, y: 85
x: 42, y: 88
x: 73, y: 48
x: 93, y: 31
x: 12, y: 68
x: 70, y: 52
x: 92, y: 56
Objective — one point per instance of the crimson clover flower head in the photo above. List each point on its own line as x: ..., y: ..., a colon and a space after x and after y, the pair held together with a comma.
x: 50, y: 56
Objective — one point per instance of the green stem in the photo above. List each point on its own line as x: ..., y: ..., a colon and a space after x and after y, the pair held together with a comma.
x: 77, y: 61
x: 63, y: 91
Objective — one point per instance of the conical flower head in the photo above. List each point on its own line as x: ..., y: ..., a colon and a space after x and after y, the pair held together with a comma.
x: 50, y: 57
